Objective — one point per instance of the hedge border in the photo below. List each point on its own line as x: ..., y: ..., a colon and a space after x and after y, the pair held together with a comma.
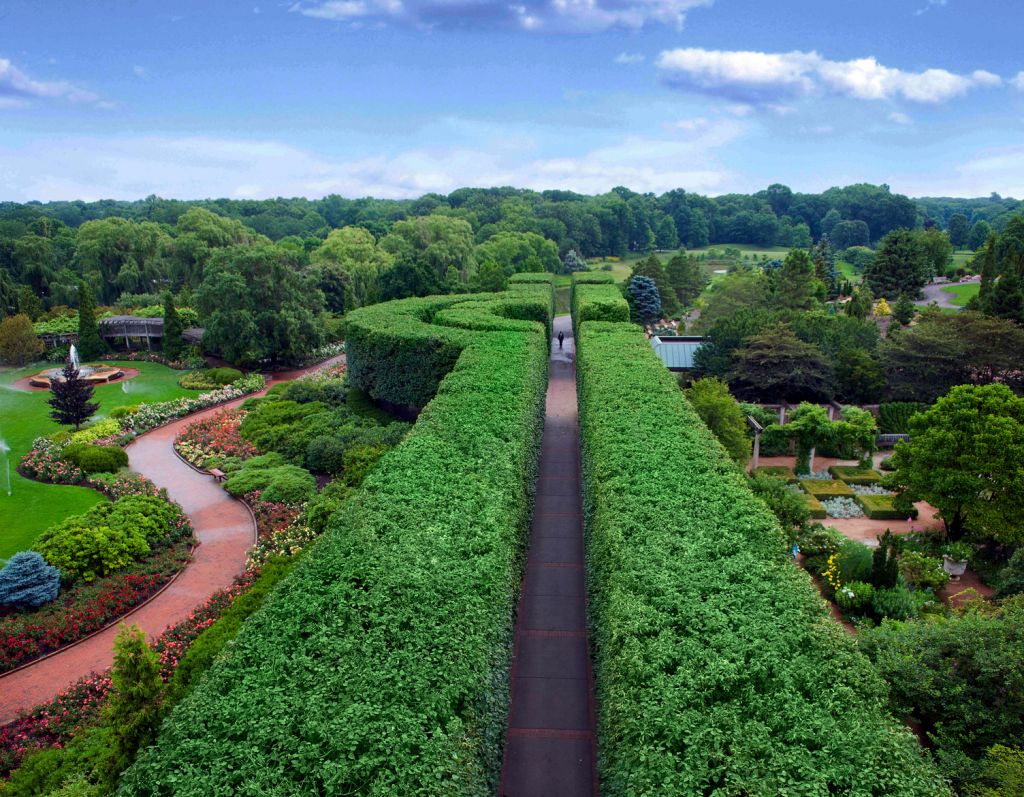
x: 879, y: 507
x: 380, y: 665
x: 851, y: 474
x: 718, y: 668
x: 827, y: 488
x: 596, y: 297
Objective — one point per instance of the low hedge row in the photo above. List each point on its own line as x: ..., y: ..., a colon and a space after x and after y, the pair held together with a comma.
x: 718, y: 670
x: 851, y: 474
x: 380, y: 665
x: 817, y: 508
x: 596, y: 297
x: 776, y: 471
x: 881, y: 507
x: 827, y: 488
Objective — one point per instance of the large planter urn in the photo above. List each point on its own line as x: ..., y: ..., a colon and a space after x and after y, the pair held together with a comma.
x: 955, y: 567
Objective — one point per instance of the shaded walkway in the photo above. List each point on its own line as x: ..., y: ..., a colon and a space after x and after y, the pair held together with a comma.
x: 550, y: 748
x: 224, y: 528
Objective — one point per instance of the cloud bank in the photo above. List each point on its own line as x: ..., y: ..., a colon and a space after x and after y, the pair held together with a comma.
x: 528, y: 15
x: 760, y: 78
x: 17, y: 88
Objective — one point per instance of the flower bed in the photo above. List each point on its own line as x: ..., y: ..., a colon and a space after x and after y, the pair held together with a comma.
x: 83, y: 609
x: 214, y: 438
x: 281, y: 530
x: 842, y: 508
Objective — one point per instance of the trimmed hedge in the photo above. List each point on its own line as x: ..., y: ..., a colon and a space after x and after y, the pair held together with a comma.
x: 817, y: 508
x: 596, y: 297
x: 827, y: 488
x: 380, y: 665
x: 880, y: 507
x: 776, y: 472
x: 718, y: 669
x: 851, y: 474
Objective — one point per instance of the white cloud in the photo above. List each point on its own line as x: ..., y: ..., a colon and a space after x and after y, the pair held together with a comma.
x: 16, y: 84
x: 199, y: 166
x: 630, y: 58
x: 931, y: 4
x: 1018, y: 81
x: 900, y: 118
x: 759, y: 77
x: 528, y: 15
x: 139, y: 71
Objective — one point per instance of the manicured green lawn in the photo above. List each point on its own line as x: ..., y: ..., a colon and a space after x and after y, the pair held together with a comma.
x: 24, y: 416
x: 962, y: 294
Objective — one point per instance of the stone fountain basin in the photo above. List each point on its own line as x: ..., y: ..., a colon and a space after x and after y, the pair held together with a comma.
x: 94, y: 374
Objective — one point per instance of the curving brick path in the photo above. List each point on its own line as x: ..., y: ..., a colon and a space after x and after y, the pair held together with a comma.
x: 224, y: 528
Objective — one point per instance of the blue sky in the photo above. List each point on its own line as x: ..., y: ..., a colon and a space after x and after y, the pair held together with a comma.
x: 395, y: 98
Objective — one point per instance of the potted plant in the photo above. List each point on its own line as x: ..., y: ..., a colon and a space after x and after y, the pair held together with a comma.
x: 954, y: 559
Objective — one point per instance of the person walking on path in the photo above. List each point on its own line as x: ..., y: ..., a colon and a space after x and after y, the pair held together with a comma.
x: 561, y: 337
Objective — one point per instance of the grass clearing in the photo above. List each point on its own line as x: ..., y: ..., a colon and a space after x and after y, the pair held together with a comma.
x: 962, y: 293
x: 24, y: 415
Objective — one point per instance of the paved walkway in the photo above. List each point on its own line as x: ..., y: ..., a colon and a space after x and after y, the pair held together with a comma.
x: 550, y: 749
x: 225, y: 531
x: 936, y: 292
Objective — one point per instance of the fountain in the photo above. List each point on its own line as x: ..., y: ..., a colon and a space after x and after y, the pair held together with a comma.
x: 5, y: 450
x: 88, y: 373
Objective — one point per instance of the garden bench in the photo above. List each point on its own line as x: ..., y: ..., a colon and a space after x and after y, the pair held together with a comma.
x: 218, y: 474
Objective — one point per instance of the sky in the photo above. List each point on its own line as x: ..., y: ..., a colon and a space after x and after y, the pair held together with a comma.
x: 396, y: 98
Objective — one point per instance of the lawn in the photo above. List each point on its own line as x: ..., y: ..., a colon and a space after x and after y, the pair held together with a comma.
x: 24, y: 415
x: 962, y: 294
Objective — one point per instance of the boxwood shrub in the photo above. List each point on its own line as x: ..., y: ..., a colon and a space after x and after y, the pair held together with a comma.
x: 718, y: 670
x: 881, y: 507
x: 851, y: 474
x: 815, y: 506
x: 827, y: 488
x: 776, y: 471
x: 380, y: 665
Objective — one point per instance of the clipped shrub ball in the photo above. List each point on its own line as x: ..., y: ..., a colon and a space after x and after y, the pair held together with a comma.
x: 325, y: 455
x: 27, y: 581
x: 96, y: 459
x: 275, y: 480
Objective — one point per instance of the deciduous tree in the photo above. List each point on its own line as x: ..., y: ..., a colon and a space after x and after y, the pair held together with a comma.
x: 775, y: 364
x: 19, y: 343
x: 722, y: 415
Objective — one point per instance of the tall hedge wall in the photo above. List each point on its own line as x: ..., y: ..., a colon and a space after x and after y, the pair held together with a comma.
x: 380, y: 666
x: 718, y: 669
x: 596, y: 297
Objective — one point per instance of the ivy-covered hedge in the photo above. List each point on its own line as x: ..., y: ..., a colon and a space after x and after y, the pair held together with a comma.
x: 596, y: 297
x: 718, y: 670
x: 380, y: 665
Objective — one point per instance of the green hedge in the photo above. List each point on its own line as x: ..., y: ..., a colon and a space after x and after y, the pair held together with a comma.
x: 851, y: 474
x: 718, y: 670
x: 596, y: 297
x: 777, y: 472
x: 380, y: 665
x: 817, y: 508
x: 827, y: 488
x: 880, y: 507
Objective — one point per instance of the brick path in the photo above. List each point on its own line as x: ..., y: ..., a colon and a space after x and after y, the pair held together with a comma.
x: 550, y: 748
x: 224, y: 529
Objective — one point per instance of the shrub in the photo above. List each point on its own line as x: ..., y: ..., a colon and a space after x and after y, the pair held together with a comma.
x: 854, y: 561
x: 883, y: 507
x: 325, y: 455
x: 27, y: 581
x: 1010, y: 580
x: 855, y: 475
x: 922, y: 572
x: 111, y: 536
x: 275, y: 480
x: 717, y: 668
x: 894, y: 417
x: 96, y: 459
x: 786, y: 504
x: 827, y: 488
x: 108, y: 427
x: 886, y: 464
x: 210, y: 378
x: 855, y: 598
x: 776, y: 471
x: 125, y: 411
x: 386, y: 651
x: 896, y: 603
x: 818, y: 543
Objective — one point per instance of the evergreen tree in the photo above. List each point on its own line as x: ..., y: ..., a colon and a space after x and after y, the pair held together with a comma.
x: 644, y: 303
x: 134, y: 709
x: 651, y: 267
x: 901, y: 266
x: 573, y: 262
x: 884, y: 564
x: 903, y: 311
x: 70, y: 398
x: 794, y: 282
x: 90, y: 344
x: 28, y: 581
x: 686, y: 277
x: 824, y: 257
x: 173, y: 344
